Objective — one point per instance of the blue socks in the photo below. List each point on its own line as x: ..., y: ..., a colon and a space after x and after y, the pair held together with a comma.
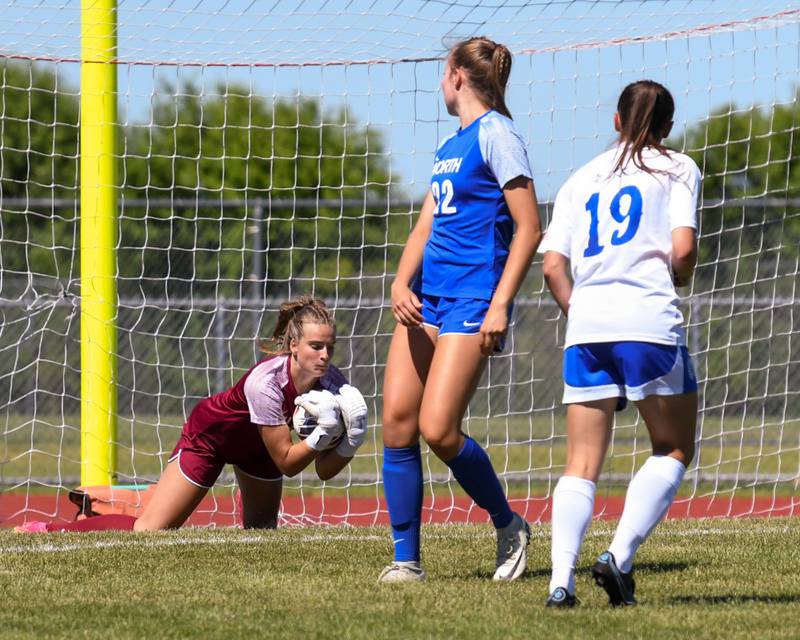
x: 402, y: 484
x: 474, y: 472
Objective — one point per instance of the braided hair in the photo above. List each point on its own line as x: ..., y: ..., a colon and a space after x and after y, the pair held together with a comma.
x: 487, y: 66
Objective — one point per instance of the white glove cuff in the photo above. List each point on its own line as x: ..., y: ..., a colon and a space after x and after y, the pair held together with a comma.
x: 345, y: 449
x: 320, y: 438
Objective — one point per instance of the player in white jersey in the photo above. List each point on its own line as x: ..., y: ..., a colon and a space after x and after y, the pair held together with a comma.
x: 468, y: 270
x: 623, y: 235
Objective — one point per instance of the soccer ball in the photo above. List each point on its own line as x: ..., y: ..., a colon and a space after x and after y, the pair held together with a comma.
x: 303, y: 424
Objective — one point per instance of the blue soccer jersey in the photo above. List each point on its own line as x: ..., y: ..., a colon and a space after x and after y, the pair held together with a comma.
x: 472, y: 227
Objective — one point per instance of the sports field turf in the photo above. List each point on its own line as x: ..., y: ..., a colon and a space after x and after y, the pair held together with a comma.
x: 696, y: 579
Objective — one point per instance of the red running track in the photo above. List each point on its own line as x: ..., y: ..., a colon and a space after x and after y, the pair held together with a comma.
x: 219, y: 510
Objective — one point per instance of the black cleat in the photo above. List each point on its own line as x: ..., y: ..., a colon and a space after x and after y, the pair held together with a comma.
x: 561, y: 599
x: 83, y: 501
x: 619, y: 586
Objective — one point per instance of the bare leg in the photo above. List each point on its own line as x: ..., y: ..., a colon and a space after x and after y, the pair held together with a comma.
x: 261, y: 500
x: 671, y: 422
x: 454, y: 373
x: 407, y: 365
x: 455, y: 370
x: 172, y: 503
x: 588, y: 434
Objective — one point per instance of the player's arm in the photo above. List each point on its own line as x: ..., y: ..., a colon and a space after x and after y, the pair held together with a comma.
x: 329, y: 463
x: 291, y: 458
x: 683, y: 197
x: 684, y: 255
x: 557, y: 247
x: 520, y: 196
x: 405, y: 304
x: 556, y: 274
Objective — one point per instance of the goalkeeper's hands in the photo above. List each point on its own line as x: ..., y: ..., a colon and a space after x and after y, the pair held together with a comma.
x: 321, y: 405
x: 354, y: 413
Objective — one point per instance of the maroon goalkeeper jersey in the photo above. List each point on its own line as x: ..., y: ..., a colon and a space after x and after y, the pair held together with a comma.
x: 223, y: 428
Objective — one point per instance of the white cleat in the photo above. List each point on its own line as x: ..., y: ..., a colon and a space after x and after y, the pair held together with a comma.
x: 512, y: 549
x: 402, y: 572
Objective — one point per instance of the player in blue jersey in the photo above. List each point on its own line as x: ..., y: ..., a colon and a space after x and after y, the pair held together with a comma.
x: 452, y: 297
x: 625, y: 225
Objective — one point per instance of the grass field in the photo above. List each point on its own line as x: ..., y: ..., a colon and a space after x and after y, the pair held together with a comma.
x: 696, y: 579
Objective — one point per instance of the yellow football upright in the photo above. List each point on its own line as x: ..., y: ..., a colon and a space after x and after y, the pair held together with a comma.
x: 98, y: 241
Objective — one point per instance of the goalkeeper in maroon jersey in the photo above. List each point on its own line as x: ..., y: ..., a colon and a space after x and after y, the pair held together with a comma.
x: 249, y: 426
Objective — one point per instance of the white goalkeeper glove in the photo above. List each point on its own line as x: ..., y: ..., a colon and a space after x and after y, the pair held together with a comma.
x: 354, y: 413
x: 321, y: 405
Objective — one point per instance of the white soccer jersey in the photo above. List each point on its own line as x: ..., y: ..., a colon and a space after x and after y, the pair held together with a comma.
x: 616, y: 230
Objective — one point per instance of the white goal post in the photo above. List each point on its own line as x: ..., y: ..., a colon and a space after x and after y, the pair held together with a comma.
x: 261, y: 152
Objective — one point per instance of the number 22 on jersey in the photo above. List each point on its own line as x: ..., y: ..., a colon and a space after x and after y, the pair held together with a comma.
x: 633, y: 216
x: 443, y: 196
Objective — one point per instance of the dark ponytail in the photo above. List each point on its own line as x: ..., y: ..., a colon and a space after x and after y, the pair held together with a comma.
x: 487, y: 65
x: 289, y: 326
x: 645, y: 111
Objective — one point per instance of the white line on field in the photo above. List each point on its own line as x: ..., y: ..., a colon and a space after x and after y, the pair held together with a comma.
x: 543, y: 531
x: 441, y: 534
x: 177, y: 542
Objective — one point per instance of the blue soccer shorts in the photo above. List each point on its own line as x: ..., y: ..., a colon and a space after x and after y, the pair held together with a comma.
x: 632, y: 370
x: 456, y: 315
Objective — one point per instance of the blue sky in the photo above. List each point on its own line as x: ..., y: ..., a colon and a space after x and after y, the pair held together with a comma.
x: 562, y: 92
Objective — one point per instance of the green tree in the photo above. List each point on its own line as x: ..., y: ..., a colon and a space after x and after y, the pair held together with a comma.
x: 38, y: 160
x: 222, y: 146
x: 229, y: 145
x: 749, y: 247
x: 225, y: 145
x: 750, y: 161
x: 748, y: 153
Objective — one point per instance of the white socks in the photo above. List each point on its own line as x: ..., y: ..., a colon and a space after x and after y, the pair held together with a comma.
x: 573, y: 506
x: 649, y: 496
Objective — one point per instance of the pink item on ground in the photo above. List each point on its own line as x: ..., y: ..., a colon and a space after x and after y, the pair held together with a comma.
x: 32, y: 526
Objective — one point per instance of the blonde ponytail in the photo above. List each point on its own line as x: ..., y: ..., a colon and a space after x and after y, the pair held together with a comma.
x: 291, y: 316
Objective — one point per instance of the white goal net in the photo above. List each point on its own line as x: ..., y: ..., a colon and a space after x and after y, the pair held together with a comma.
x: 267, y: 150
